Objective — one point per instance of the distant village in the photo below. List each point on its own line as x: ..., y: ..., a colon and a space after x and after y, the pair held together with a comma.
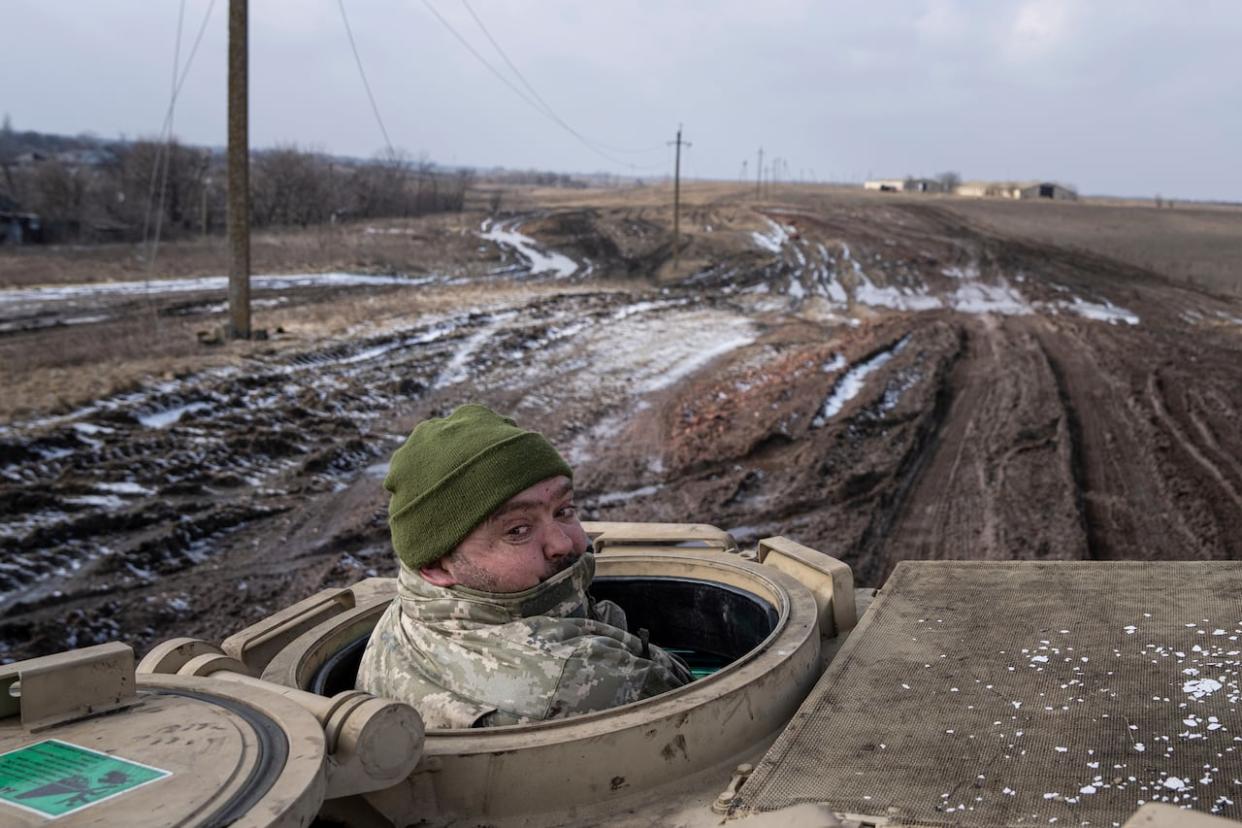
x: 80, y: 189
x: 977, y: 189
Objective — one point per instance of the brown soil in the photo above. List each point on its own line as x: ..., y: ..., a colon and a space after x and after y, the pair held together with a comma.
x: 879, y: 379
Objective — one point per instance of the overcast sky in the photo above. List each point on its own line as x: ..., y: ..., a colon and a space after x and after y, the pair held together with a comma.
x: 1125, y: 97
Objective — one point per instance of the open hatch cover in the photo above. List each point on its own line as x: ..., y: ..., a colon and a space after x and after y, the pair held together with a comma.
x: 1066, y: 693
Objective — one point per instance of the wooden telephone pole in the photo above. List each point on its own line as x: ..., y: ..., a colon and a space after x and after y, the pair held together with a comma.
x: 239, y: 175
x: 677, y: 201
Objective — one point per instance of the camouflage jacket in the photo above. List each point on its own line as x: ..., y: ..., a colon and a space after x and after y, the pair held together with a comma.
x: 466, y: 658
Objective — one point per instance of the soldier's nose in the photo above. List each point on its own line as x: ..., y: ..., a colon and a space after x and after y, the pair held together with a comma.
x: 557, y: 544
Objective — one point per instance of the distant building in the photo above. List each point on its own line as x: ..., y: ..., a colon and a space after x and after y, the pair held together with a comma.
x: 17, y: 227
x: 1017, y: 189
x: 94, y: 157
x: 904, y: 185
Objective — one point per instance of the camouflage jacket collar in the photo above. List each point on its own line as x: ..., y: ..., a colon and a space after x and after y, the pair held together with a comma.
x: 564, y: 595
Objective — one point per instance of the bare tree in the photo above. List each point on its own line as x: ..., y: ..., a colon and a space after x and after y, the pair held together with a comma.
x: 150, y: 176
x: 290, y: 186
x: 949, y: 181
x: 58, y: 194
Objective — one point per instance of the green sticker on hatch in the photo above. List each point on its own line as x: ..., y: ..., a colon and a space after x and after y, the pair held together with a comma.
x: 53, y: 778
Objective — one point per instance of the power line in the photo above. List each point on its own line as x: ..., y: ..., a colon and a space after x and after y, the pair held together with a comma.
x: 547, y: 107
x: 362, y: 72
x: 166, y: 129
x: 528, y: 99
x: 159, y: 213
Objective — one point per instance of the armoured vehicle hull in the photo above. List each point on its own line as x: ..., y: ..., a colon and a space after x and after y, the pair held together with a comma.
x: 968, y: 694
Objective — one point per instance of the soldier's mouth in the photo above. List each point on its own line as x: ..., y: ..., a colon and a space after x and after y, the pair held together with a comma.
x: 559, y: 565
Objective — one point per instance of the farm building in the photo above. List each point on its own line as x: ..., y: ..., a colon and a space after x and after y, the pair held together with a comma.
x: 904, y: 185
x: 17, y: 227
x: 1017, y: 189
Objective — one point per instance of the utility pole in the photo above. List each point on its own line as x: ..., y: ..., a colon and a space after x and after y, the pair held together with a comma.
x: 759, y: 175
x: 677, y: 201
x: 203, y: 211
x: 239, y: 175
x: 742, y: 177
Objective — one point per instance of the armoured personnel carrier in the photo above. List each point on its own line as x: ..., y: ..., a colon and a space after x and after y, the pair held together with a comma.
x: 973, y: 694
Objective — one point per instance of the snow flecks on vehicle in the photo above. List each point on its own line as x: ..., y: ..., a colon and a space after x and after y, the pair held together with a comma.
x: 1201, y: 688
x: 536, y: 260
x: 1162, y: 770
x: 851, y: 384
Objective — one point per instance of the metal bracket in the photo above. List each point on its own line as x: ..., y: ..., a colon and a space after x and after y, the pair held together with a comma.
x: 55, y: 689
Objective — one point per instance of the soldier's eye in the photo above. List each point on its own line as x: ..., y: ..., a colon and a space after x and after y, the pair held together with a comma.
x: 519, y: 532
x: 567, y: 511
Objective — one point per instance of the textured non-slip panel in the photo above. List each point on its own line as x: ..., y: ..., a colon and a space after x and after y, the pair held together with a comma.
x: 989, y: 694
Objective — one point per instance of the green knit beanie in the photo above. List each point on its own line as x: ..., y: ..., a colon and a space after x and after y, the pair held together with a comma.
x: 452, y: 472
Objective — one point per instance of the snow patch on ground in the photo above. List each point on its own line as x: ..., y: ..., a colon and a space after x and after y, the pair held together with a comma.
x: 970, y: 294
x: 774, y: 239
x: 56, y: 293
x: 506, y: 234
x: 1103, y: 312
x: 980, y: 297
x: 643, y: 354
x: 125, y: 487
x: 613, y: 498
x: 867, y: 293
x: 166, y: 417
x: 851, y: 385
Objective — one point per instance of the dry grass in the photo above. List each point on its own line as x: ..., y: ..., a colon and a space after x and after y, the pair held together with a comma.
x: 58, y: 369
x: 433, y: 244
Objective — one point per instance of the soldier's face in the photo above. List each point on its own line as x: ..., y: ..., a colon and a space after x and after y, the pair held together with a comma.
x: 533, y: 536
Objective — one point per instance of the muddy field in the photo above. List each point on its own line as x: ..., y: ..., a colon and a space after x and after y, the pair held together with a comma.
x: 879, y: 379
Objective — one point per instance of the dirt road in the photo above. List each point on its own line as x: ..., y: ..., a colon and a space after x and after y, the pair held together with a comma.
x: 878, y: 380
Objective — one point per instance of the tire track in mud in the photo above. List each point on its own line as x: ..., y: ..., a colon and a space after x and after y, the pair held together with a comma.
x: 134, y: 494
x: 1156, y: 395
x: 1077, y: 464
x: 990, y: 463
x: 1140, y: 499
x: 873, y: 562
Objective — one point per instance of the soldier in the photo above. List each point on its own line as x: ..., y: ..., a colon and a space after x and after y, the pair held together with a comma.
x: 493, y: 623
